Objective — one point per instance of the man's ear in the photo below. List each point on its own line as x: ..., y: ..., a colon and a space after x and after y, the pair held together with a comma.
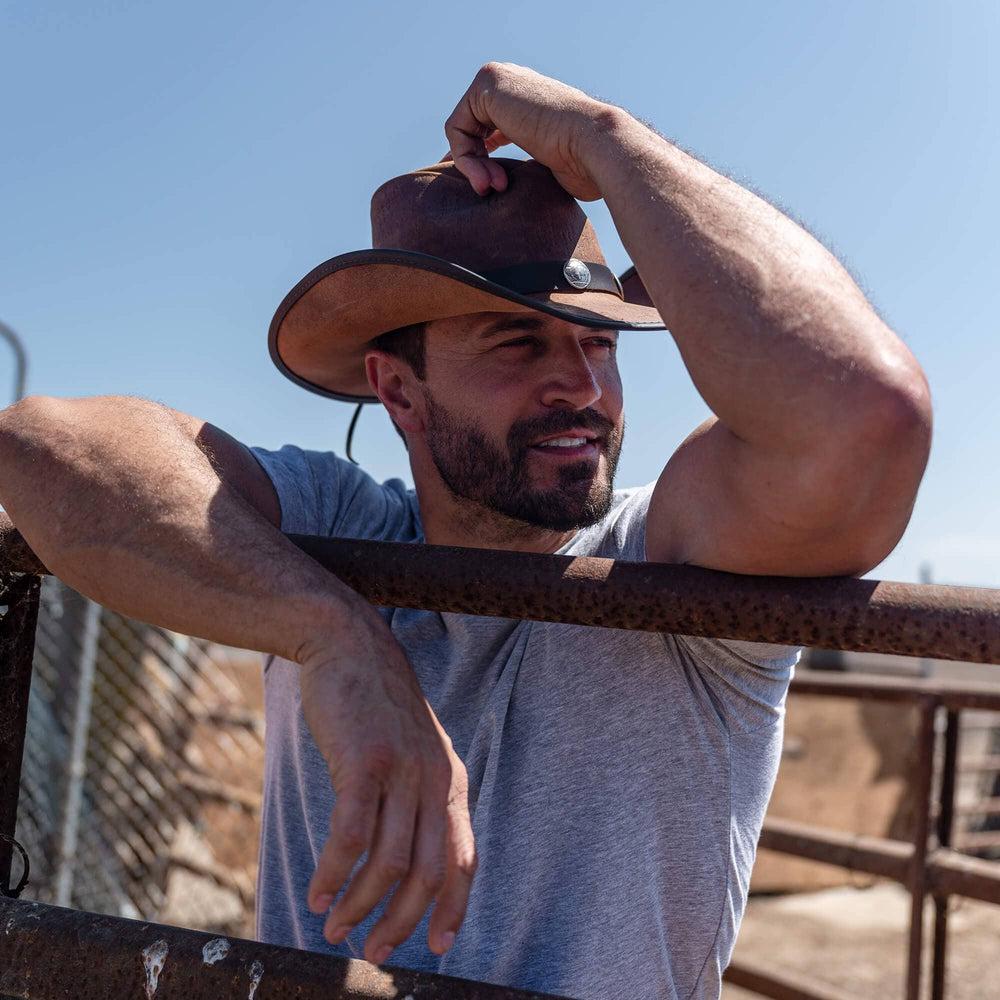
x: 393, y: 381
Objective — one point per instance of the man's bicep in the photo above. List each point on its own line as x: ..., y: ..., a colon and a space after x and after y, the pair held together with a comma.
x: 235, y: 465
x: 721, y: 504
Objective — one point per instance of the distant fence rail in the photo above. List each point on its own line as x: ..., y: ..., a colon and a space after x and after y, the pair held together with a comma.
x: 917, y: 620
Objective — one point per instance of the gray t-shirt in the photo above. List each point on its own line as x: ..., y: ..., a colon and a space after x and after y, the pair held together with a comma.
x: 618, y: 779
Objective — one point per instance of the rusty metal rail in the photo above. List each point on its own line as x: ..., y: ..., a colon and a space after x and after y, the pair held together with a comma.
x: 49, y: 952
x: 919, y: 620
x: 949, y: 623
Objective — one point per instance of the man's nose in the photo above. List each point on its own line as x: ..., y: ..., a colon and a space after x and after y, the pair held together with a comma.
x: 571, y: 381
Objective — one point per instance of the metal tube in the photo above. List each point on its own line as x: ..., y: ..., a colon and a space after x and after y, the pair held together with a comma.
x: 946, y: 812
x: 17, y: 646
x: 50, y: 952
x: 921, y: 829
x: 981, y: 695
x: 78, y: 754
x: 951, y: 873
x: 872, y: 855
x: 779, y: 987
x: 20, y: 359
x: 951, y: 623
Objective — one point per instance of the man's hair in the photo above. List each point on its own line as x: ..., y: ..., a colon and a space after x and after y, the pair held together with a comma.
x: 410, y: 344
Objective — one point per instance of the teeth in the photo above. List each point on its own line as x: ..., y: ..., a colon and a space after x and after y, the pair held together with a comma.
x: 563, y: 443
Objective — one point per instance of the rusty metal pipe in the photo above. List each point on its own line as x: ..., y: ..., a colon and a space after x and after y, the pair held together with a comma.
x: 50, y: 952
x: 781, y: 986
x: 951, y: 623
x: 17, y: 644
x: 872, y: 855
x: 945, y: 819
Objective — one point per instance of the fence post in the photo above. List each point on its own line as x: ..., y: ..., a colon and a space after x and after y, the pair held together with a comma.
x: 926, y: 738
x: 19, y: 615
x: 78, y: 753
x: 946, y: 813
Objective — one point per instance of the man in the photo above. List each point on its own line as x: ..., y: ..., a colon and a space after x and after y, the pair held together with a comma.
x: 616, y: 780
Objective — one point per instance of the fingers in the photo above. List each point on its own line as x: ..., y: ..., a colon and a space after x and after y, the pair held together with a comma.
x: 388, y: 860
x: 493, y: 142
x: 467, y: 139
x: 453, y: 899
x: 416, y: 892
x: 352, y: 826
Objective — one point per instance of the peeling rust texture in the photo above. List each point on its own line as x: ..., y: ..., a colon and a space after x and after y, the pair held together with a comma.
x: 15, y: 553
x: 949, y: 623
x: 19, y: 600
x: 48, y: 952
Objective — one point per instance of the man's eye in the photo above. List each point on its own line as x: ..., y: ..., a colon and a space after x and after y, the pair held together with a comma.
x: 520, y: 342
x: 605, y: 342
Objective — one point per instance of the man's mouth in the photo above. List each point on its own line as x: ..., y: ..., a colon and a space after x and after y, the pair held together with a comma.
x: 569, y: 446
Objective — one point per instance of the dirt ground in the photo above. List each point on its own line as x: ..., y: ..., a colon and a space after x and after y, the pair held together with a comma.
x: 855, y: 939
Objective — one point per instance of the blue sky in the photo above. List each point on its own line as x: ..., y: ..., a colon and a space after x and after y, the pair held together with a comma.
x: 169, y: 171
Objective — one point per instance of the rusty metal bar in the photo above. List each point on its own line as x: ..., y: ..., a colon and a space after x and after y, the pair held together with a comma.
x: 779, y: 987
x: 17, y: 644
x: 981, y: 695
x: 948, y: 871
x: 917, y: 880
x: 951, y: 873
x: 951, y: 623
x: 872, y: 855
x: 945, y: 818
x: 50, y: 952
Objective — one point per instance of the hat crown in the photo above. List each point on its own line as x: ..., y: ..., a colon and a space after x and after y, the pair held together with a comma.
x: 434, y: 210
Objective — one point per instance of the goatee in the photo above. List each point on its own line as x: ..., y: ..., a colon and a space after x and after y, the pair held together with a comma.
x: 474, y: 468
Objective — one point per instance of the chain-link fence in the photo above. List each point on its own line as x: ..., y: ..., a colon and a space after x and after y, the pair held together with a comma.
x: 142, y: 769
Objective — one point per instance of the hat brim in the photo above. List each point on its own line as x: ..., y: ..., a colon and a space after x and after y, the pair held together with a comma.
x: 325, y: 324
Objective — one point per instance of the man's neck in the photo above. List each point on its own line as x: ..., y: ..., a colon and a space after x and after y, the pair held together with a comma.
x: 450, y: 520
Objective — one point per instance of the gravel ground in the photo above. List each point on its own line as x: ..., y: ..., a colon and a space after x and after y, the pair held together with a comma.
x: 856, y: 939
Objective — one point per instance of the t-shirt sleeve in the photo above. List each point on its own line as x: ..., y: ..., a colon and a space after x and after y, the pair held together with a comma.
x: 751, y: 678
x: 321, y: 493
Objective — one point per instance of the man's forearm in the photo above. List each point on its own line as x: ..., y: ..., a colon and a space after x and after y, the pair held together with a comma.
x: 120, y: 503
x: 776, y: 335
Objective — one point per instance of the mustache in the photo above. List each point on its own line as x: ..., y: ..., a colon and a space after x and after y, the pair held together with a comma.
x: 526, y: 431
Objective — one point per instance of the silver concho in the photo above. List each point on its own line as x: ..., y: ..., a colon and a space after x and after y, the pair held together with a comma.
x: 576, y: 273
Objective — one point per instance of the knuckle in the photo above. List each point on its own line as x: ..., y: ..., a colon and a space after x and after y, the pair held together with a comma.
x: 468, y: 863
x: 378, y: 760
x: 391, y: 868
x: 430, y: 879
x: 350, y: 839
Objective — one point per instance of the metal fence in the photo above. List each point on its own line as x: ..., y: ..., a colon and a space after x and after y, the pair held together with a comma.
x: 49, y: 951
x: 142, y: 769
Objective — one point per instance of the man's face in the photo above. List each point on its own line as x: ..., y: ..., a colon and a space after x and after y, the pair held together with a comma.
x: 498, y: 384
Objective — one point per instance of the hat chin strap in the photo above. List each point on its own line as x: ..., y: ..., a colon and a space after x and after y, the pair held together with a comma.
x: 572, y: 275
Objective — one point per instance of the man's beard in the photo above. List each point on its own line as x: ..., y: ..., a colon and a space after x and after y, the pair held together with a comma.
x: 473, y: 467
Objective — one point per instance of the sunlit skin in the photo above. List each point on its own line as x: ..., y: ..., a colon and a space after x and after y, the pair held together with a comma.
x: 488, y: 396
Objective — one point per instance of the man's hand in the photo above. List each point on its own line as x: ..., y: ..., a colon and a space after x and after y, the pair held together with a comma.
x: 552, y: 122
x: 401, y: 792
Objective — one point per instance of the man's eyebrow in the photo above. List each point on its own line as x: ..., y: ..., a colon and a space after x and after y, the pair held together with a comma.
x: 514, y: 322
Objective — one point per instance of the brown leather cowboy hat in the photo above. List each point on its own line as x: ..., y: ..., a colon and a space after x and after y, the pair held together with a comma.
x: 440, y: 250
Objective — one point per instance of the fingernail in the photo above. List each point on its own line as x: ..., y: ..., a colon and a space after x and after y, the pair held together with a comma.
x: 382, y: 954
x: 339, y: 933
x: 447, y: 939
x: 322, y: 903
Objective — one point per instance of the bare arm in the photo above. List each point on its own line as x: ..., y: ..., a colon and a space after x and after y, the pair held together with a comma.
x: 822, y: 425
x: 822, y: 416
x: 168, y: 519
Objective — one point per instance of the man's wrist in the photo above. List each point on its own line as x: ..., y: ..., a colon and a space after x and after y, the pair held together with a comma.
x: 606, y: 131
